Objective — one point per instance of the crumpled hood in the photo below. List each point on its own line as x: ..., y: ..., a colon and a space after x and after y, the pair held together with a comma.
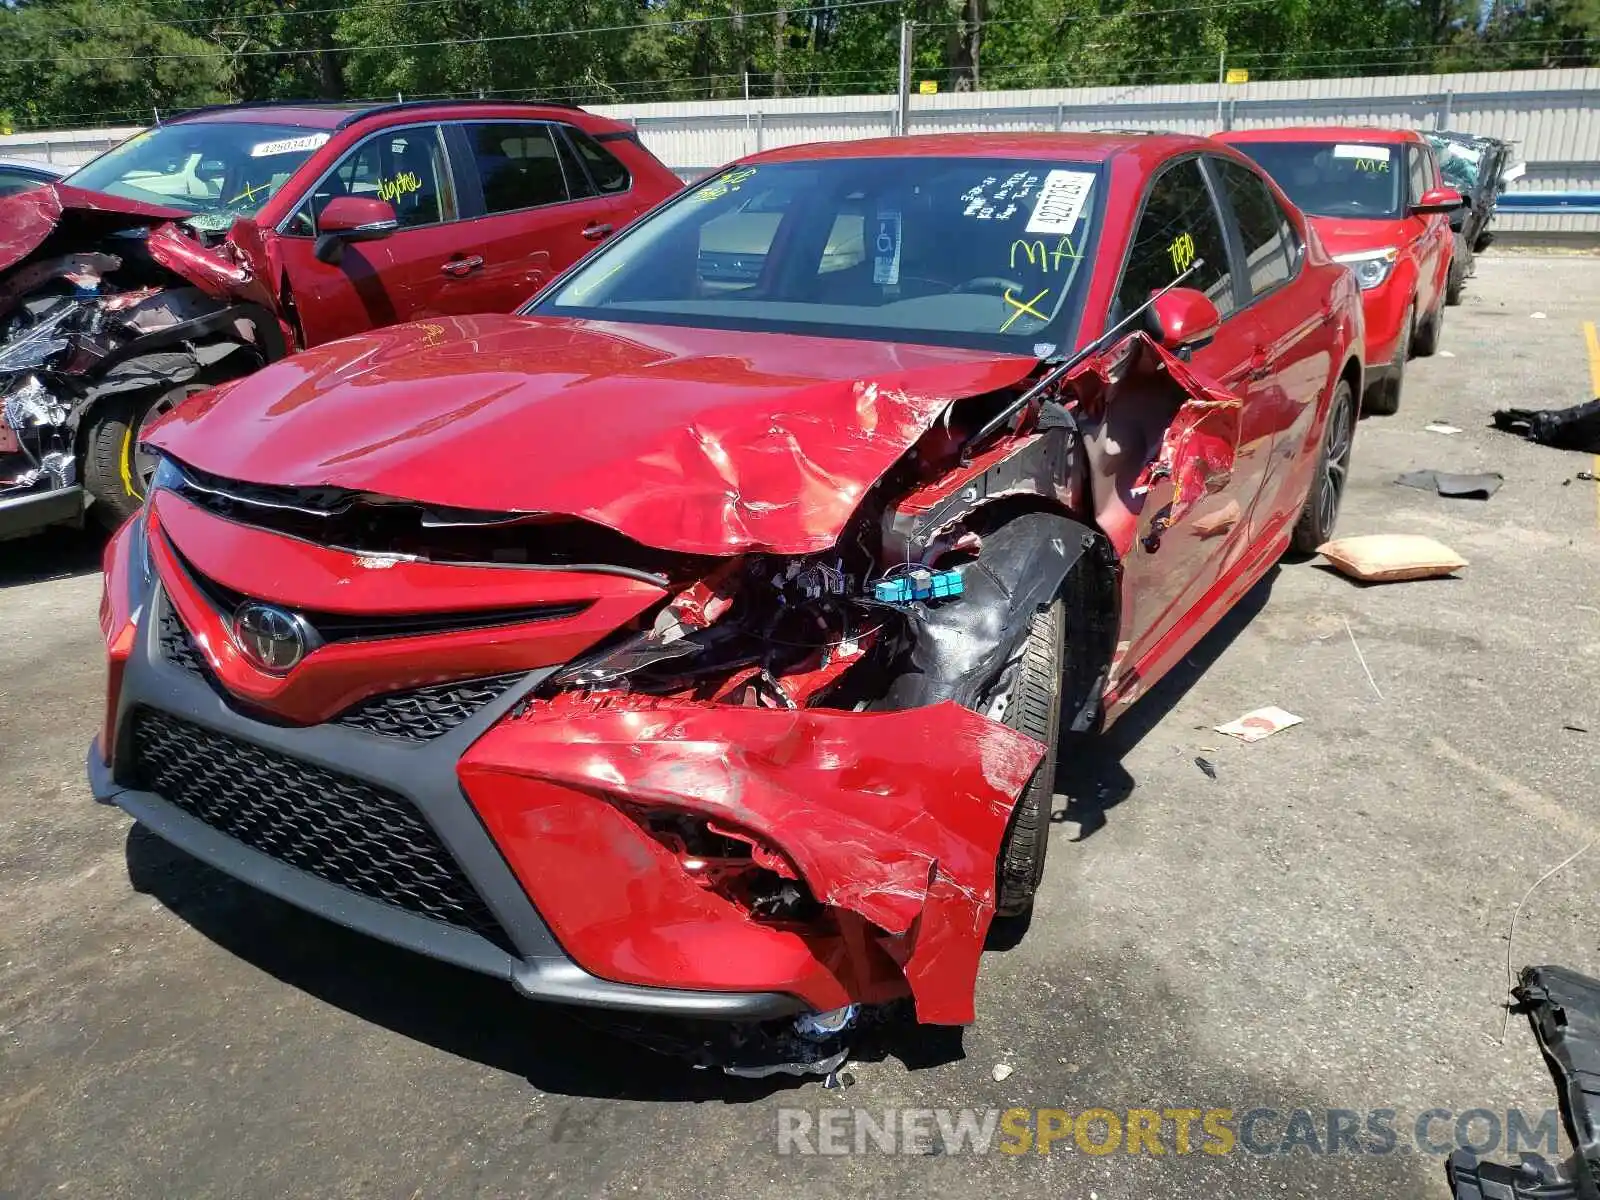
x: 28, y: 218
x: 1343, y: 235
x: 695, y: 440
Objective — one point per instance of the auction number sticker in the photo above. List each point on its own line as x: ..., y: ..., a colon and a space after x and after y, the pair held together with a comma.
x: 288, y: 145
x: 1374, y: 153
x: 1061, y: 199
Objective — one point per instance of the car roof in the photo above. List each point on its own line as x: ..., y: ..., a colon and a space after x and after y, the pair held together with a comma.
x: 23, y: 164
x: 1064, y: 147
x: 337, y: 115
x: 1322, y: 133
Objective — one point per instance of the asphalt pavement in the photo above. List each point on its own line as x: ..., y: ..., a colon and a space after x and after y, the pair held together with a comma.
x: 1321, y: 927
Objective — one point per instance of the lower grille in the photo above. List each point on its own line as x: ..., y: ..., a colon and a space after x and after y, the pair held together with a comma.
x: 426, y: 712
x: 343, y: 830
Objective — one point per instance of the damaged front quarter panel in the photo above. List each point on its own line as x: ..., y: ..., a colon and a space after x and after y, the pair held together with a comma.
x: 896, y: 818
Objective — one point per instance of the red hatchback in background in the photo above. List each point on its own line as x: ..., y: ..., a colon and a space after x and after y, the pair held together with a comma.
x: 699, y: 640
x: 226, y: 238
x: 1377, y: 201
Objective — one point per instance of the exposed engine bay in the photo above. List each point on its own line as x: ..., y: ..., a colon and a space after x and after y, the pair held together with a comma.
x: 103, y: 311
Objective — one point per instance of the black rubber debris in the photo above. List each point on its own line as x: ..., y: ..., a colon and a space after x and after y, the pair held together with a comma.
x: 1564, y: 1009
x: 1456, y: 487
x: 1575, y: 428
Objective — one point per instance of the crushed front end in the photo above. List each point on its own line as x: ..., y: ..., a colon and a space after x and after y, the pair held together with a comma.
x: 101, y: 301
x: 763, y: 774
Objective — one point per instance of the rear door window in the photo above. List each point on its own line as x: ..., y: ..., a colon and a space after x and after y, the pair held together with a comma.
x: 607, y: 171
x: 518, y: 165
x: 406, y: 167
x: 1265, y: 233
x: 1179, y: 228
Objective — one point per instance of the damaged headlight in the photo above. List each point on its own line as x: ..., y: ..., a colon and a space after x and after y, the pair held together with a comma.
x: 1371, y: 267
x: 168, y: 475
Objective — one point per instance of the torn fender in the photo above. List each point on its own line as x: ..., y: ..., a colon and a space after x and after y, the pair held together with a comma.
x: 895, y: 817
x: 217, y: 273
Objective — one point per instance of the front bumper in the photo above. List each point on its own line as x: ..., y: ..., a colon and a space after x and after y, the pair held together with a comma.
x: 1384, y: 309
x: 424, y: 774
x: 29, y: 512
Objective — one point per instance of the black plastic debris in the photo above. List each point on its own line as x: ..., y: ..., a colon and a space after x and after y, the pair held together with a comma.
x: 1575, y: 428
x: 1205, y: 765
x: 1531, y: 1179
x: 1564, y: 1010
x: 1454, y: 486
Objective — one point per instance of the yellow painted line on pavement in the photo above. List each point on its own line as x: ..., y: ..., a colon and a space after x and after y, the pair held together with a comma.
x: 1592, y: 340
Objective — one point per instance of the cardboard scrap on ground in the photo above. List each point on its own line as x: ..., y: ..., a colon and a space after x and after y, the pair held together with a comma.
x: 1262, y: 723
x: 1391, y: 557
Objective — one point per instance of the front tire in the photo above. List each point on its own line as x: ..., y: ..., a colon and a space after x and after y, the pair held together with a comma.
x: 1033, y: 708
x: 1321, y: 510
x: 1425, y: 342
x: 116, y: 473
x: 1460, y: 268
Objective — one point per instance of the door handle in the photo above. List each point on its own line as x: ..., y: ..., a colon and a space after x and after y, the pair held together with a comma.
x: 595, y: 232
x: 462, y: 266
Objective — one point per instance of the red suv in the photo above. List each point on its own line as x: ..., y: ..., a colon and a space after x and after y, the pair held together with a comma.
x: 226, y: 238
x: 699, y: 639
x: 1376, y: 199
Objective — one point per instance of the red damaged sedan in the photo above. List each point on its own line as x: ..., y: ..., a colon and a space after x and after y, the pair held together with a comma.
x: 698, y: 641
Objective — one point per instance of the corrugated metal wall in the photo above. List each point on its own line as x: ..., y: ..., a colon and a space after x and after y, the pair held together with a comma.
x: 1553, y: 115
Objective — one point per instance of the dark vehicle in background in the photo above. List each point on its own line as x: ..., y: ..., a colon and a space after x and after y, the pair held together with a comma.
x: 1378, y: 203
x: 17, y: 175
x: 199, y: 250
x: 1480, y: 168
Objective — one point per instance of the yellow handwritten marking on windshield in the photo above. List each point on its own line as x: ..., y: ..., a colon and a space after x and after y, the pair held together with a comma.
x: 1182, y: 252
x: 730, y: 182
x: 253, y: 190
x: 402, y: 184
x: 1035, y: 254
x: 1022, y: 308
x: 1372, y: 166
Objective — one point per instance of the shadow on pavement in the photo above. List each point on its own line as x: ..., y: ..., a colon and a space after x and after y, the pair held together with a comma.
x: 53, y: 554
x: 1089, y: 772
x: 558, y: 1050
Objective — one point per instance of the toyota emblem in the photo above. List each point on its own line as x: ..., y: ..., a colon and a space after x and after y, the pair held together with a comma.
x: 272, y: 638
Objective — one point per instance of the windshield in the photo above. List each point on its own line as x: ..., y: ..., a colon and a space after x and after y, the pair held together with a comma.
x: 1335, y: 179
x: 981, y: 252
x: 218, y: 171
x: 1458, y: 162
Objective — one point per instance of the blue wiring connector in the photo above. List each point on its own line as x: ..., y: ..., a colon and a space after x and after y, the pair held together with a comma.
x: 918, y: 584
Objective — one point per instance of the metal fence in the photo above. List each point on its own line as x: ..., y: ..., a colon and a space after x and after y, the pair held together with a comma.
x: 1553, y: 116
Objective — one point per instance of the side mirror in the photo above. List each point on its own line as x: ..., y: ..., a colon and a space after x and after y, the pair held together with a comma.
x: 1184, y: 319
x: 1436, y: 200
x: 352, y: 219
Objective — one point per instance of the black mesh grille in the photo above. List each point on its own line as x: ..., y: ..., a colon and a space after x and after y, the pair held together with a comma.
x: 177, y: 646
x: 343, y: 830
x: 426, y: 712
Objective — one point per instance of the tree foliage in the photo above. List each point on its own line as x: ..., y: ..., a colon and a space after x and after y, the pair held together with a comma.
x: 77, y: 62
